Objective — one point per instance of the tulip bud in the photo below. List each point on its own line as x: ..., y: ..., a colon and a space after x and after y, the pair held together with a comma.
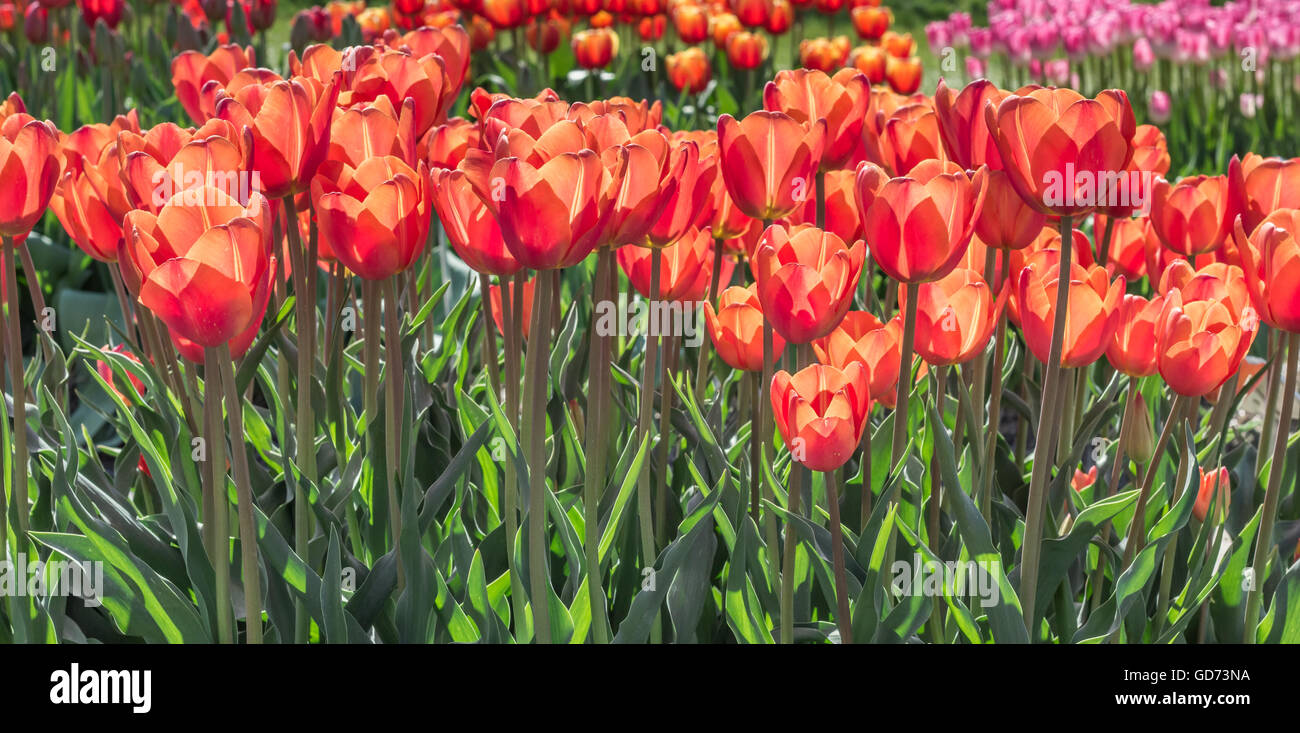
x: 36, y: 24
x: 1140, y: 441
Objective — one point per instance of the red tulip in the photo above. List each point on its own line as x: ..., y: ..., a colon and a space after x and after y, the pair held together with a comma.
x: 1201, y: 343
x: 192, y: 70
x: 737, y: 329
x: 594, y: 48
x: 841, y: 100
x: 551, y: 216
x: 768, y: 161
x: 806, y: 280
x: 685, y: 269
x: 1193, y: 216
x: 289, y: 131
x: 470, y: 226
x: 746, y: 50
x: 861, y: 337
x: 689, y: 69
x: 1215, y: 487
x: 821, y: 413
x: 919, y: 228
x: 374, y: 218
x: 1093, y: 309
x: 1264, y: 185
x: 1132, y: 350
x: 29, y: 169
x: 1005, y: 220
x: 1270, y: 258
x: 964, y: 128
x: 1055, y: 144
x: 955, y: 317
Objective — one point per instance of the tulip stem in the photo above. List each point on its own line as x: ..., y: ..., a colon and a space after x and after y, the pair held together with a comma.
x: 489, y: 336
x: 669, y: 365
x: 536, y: 384
x: 392, y: 412
x: 1275, y: 343
x: 904, y: 394
x: 995, y: 408
x: 133, y: 327
x: 755, y: 455
x: 821, y: 199
x: 1043, y: 458
x: 981, y: 365
x: 244, y: 495
x: 1116, y: 473
x: 644, y: 420
x: 370, y: 388
x: 702, y: 369
x: 14, y: 357
x: 304, y: 431
x: 865, y: 445
x: 1107, y: 233
x: 514, y: 339
x: 1137, y: 529
x: 842, y: 618
x: 936, y: 493
x: 1264, y: 543
x: 594, y: 448
x: 220, y: 516
x: 38, y: 298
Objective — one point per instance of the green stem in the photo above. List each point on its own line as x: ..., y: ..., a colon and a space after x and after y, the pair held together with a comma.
x: 244, y: 495
x: 536, y: 392
x: 595, y: 447
x: 393, y: 438
x: 842, y: 618
x: 1264, y: 543
x: 995, y: 409
x: 644, y: 422
x: 19, y: 391
x: 220, y: 517
x: 1042, y: 468
x: 1116, y: 473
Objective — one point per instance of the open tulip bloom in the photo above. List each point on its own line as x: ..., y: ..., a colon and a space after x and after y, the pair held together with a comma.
x: 322, y: 342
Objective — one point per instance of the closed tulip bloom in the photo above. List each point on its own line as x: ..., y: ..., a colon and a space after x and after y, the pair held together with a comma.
x: 471, y: 228
x: 903, y: 74
x: 86, y: 217
x: 746, y: 50
x: 399, y: 75
x: 898, y: 45
x: 768, y: 161
x: 445, y: 145
x: 963, y: 126
x: 375, y: 218
x: 1048, y: 137
x: 1082, y: 480
x: 736, y: 328
x: 689, y: 199
x: 870, y: 60
x: 685, y: 268
x: 192, y: 70
x: 1132, y: 349
x: 909, y: 137
x: 1130, y: 240
x: 955, y: 317
x: 1193, y: 216
x: 29, y: 170
x: 1134, y: 193
x: 372, y: 129
x: 918, y: 229
x: 167, y: 159
x: 1270, y: 258
x: 451, y: 43
x: 1215, y: 487
x: 841, y: 100
x: 781, y: 17
x: 689, y: 70
x: 1005, y: 220
x: 644, y: 182
x: 1265, y: 185
x: 1216, y: 281
x: 1090, y: 322
x: 752, y: 13
x: 821, y: 412
x: 594, y: 48
x: 722, y: 26
x: 204, y: 268
x: 870, y: 22
x: 505, y: 13
x: 806, y: 280
x: 824, y: 54
x: 290, y: 133
x: 861, y: 337
x: 1202, y: 343
x: 551, y: 216
x: 691, y: 22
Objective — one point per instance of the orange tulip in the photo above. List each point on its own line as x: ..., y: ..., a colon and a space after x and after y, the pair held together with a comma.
x: 861, y: 337
x: 821, y: 413
x: 685, y: 268
x: 375, y: 218
x: 746, y: 50
x: 1081, y: 480
x: 643, y: 181
x: 870, y: 22
x: 1056, y: 144
x: 29, y: 172
x: 736, y: 328
x: 450, y: 42
x: 964, y: 128
x: 1005, y: 220
x: 806, y: 280
x: 1132, y: 349
x: 1193, y: 216
x: 167, y: 159
x: 955, y: 317
x: 1150, y: 161
x: 910, y: 137
x: 191, y: 71
x: 505, y: 13
x: 470, y: 226
x: 824, y: 54
x: 289, y: 132
x: 203, y: 267
x: 1130, y: 240
x: 551, y: 216
x: 1201, y: 343
x: 689, y: 199
x: 919, y: 228
x: 1215, y: 487
x: 445, y: 145
x: 898, y: 45
x: 1270, y: 258
x: 769, y: 161
x: 870, y: 60
x: 372, y: 129
x: 1093, y: 309
x: 1264, y: 185
x: 841, y: 208
x: 903, y: 74
x: 1217, y: 281
x: 841, y: 100
x: 594, y: 48
x: 399, y: 75
x: 86, y: 217
x: 781, y: 17
x: 691, y: 22
x: 689, y: 70
x: 722, y: 26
